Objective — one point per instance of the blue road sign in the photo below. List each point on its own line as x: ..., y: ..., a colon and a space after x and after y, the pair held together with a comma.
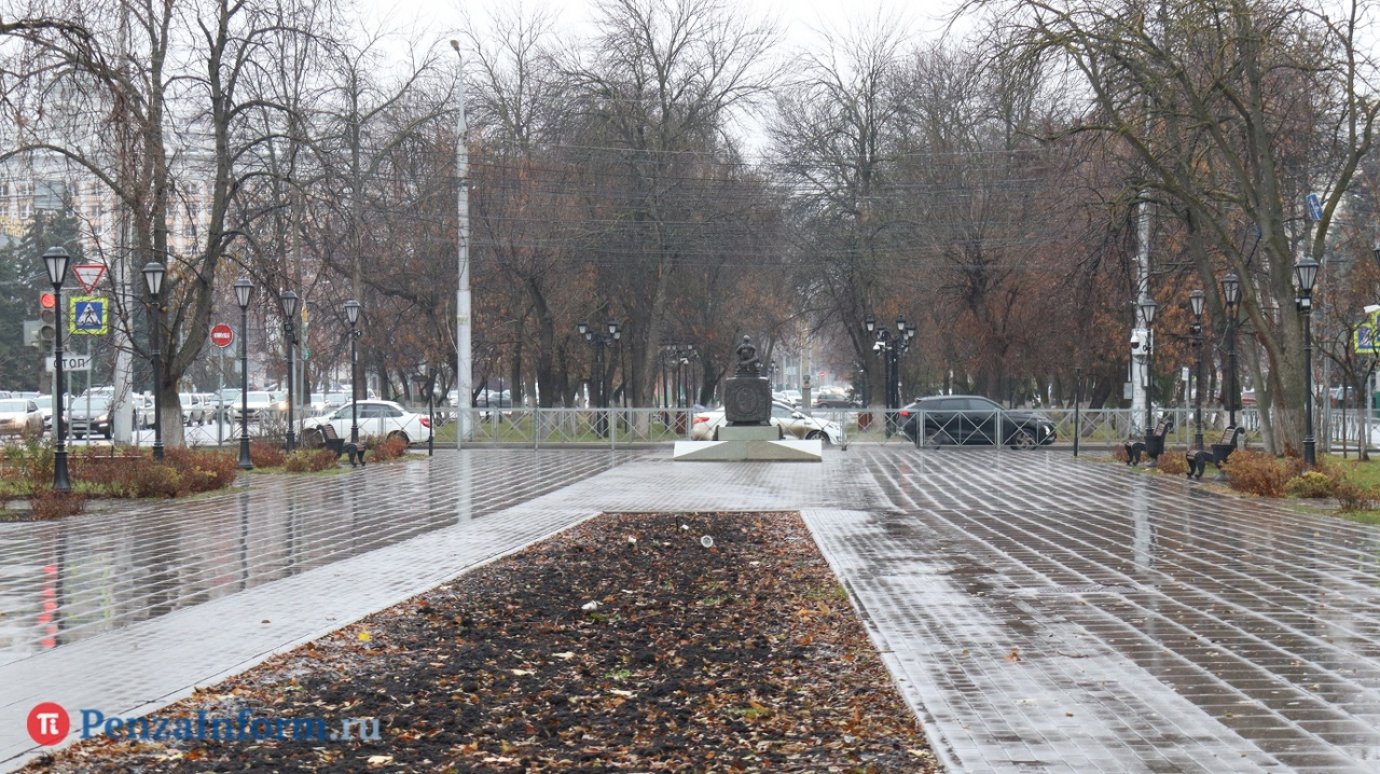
x: 88, y: 315
x: 1314, y: 207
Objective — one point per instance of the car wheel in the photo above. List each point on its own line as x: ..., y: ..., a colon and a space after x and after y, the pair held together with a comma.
x: 399, y: 434
x: 818, y: 435
x: 1023, y: 440
x: 109, y: 433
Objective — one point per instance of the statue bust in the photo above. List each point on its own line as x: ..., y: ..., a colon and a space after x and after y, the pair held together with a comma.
x: 748, y: 364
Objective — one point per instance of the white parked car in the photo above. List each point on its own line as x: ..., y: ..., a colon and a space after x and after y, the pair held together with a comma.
x: 377, y: 419
x: 20, y: 416
x: 258, y: 402
x: 792, y: 422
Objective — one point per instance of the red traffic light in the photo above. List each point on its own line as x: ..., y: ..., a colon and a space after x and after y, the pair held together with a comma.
x: 47, y: 300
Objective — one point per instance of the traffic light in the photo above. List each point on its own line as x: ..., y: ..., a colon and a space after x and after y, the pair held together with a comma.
x: 47, y: 317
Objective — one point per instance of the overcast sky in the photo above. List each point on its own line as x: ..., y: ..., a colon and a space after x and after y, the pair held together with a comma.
x: 432, y: 22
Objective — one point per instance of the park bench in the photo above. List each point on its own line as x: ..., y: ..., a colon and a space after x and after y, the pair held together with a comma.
x: 335, y: 443
x: 1231, y: 439
x: 1151, y: 447
x: 1221, y: 450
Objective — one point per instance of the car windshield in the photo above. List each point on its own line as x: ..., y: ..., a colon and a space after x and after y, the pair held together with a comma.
x: 261, y: 397
x: 14, y: 406
x: 97, y: 403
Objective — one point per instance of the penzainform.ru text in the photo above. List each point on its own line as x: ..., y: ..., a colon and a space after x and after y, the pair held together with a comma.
x: 50, y: 724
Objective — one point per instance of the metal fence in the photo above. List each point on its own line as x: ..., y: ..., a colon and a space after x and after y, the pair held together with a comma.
x: 537, y: 427
x: 614, y: 427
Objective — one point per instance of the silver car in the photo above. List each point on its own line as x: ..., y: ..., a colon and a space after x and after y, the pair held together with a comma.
x: 20, y: 416
x: 791, y: 420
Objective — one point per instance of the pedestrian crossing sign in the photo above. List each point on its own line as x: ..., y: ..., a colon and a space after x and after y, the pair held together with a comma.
x: 88, y: 315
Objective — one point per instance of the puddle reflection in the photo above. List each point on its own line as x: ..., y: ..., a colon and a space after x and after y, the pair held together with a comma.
x: 64, y: 581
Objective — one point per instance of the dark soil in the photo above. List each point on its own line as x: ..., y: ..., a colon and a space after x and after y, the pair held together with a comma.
x: 623, y: 643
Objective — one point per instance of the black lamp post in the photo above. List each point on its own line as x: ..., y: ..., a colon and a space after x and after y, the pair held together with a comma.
x: 1147, y: 313
x: 1305, y: 274
x: 1195, y: 302
x: 599, y: 340
x: 352, y: 316
x: 289, y: 300
x: 56, y: 259
x: 890, y: 345
x: 153, y: 278
x: 1231, y: 294
x: 244, y: 290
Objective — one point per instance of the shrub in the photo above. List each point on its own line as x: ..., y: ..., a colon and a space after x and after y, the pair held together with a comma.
x: 387, y: 449
x: 202, y: 470
x: 1311, y: 484
x: 56, y: 505
x: 154, y: 480
x: 1352, y: 497
x: 310, y: 460
x: 1258, y: 473
x: 265, y: 454
x: 1120, y: 454
x: 1172, y: 463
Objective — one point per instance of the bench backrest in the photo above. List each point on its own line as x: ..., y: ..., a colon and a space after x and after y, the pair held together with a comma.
x: 1162, y: 428
x: 328, y: 432
x: 1229, y: 436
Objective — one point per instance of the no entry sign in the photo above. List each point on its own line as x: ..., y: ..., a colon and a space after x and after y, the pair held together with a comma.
x: 222, y: 335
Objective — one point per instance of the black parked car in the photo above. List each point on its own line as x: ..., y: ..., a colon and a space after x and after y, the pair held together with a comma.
x: 972, y: 419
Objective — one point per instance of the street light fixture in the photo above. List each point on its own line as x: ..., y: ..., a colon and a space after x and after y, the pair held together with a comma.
x: 290, y: 301
x: 1305, y: 275
x: 352, y: 316
x: 1195, y: 302
x: 153, y: 278
x: 599, y: 340
x: 56, y: 259
x: 890, y: 344
x: 1231, y: 294
x: 244, y: 291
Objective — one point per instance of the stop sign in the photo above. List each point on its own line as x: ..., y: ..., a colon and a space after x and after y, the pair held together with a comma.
x: 222, y: 335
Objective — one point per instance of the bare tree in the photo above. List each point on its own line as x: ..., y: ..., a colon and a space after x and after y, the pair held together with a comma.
x: 1235, y: 111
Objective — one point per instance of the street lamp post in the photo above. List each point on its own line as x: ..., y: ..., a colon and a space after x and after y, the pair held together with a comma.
x: 1195, y: 302
x: 244, y: 290
x: 1231, y: 294
x: 56, y: 259
x: 153, y: 278
x: 352, y: 316
x: 1305, y: 274
x: 1147, y: 313
x: 599, y: 340
x: 890, y: 346
x: 290, y: 300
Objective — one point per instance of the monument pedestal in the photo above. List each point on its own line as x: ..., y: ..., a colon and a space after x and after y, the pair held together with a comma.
x: 746, y: 443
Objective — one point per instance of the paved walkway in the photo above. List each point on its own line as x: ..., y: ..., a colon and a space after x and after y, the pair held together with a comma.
x: 1038, y: 613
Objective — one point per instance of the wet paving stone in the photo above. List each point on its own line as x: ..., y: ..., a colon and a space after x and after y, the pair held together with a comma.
x: 1038, y: 613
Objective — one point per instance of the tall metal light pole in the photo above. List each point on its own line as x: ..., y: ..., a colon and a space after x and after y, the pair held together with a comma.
x: 599, y: 340
x: 290, y: 301
x: 153, y: 278
x: 1147, y: 316
x: 464, y: 367
x: 55, y: 259
x: 244, y: 290
x: 1231, y: 294
x: 352, y: 315
x: 1305, y: 274
x: 1195, y: 302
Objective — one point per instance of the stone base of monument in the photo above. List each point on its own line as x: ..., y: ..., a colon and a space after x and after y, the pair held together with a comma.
x: 749, y: 443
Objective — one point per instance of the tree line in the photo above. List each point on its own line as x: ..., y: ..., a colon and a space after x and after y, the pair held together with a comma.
x: 988, y: 188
